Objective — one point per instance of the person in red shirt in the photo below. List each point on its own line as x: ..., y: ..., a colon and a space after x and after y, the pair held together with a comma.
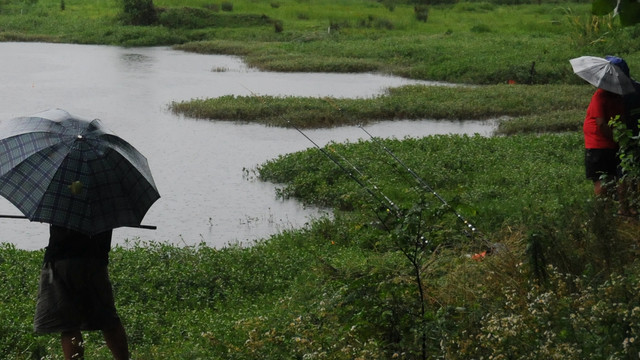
x: 601, y: 149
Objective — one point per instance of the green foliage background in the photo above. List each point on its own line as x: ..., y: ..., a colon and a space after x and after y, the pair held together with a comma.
x: 462, y: 42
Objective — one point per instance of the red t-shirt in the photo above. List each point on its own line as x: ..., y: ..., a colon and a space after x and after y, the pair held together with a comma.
x: 604, y: 105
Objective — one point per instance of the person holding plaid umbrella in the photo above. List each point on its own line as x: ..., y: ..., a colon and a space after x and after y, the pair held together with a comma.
x: 84, y: 181
x: 75, y: 292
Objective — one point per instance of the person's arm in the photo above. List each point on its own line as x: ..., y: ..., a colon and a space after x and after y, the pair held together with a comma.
x: 605, y: 129
x: 603, y: 104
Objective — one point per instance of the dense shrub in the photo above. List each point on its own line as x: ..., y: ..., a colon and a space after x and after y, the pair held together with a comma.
x: 226, y: 6
x: 421, y: 12
x: 139, y: 12
x: 278, y: 27
x: 628, y: 137
x: 186, y: 17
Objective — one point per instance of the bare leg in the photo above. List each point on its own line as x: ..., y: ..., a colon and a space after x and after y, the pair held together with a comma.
x: 598, y: 189
x: 116, y: 339
x: 72, y: 346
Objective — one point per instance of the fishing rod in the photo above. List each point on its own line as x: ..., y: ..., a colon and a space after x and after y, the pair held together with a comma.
x: 414, y: 256
x: 421, y: 181
x: 387, y: 203
x: 417, y: 177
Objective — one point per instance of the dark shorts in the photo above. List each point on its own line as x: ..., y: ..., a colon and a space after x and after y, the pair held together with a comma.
x: 74, y: 295
x: 598, y: 162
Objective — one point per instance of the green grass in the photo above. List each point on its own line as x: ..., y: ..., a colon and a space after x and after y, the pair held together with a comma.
x: 486, y: 175
x: 538, y: 108
x: 479, y: 43
x: 551, y: 122
x: 343, y: 287
x: 561, y: 278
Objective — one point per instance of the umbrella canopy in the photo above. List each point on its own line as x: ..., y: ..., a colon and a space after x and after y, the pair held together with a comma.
x: 64, y: 170
x: 601, y: 73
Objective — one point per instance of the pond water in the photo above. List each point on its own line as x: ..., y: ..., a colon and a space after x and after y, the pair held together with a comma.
x: 199, y: 166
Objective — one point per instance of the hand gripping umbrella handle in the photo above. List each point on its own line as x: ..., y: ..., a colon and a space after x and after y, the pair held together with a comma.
x: 148, y: 227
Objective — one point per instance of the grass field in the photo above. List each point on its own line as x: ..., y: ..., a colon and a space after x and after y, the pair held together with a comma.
x: 480, y: 43
x: 550, y: 273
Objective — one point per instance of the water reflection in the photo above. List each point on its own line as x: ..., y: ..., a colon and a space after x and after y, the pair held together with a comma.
x: 199, y: 166
x: 136, y: 62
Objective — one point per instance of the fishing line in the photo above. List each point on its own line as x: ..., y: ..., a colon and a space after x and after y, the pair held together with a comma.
x: 418, y: 178
x: 389, y: 201
x: 388, y: 205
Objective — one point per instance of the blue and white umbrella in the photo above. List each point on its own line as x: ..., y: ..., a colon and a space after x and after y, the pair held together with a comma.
x: 602, y: 74
x: 60, y: 169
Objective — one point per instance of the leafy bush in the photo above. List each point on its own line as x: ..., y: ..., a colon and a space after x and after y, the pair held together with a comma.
x: 139, y: 12
x: 629, y: 154
x: 277, y: 25
x: 226, y: 6
x: 186, y: 17
x: 421, y: 12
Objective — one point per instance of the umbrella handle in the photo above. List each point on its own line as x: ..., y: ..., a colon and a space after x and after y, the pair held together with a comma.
x: 148, y: 227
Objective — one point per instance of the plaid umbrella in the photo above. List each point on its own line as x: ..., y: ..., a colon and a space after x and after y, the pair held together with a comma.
x: 601, y: 73
x: 63, y: 170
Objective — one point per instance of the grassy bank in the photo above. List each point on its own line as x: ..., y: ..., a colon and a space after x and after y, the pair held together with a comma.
x: 544, y: 108
x: 476, y: 172
x: 478, y: 43
x: 564, y: 272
